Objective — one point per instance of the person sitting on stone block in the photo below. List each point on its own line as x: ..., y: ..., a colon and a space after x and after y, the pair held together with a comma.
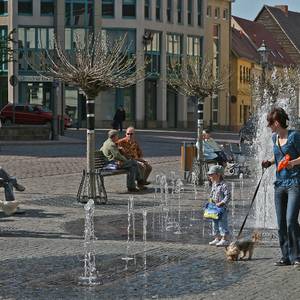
x: 9, y: 183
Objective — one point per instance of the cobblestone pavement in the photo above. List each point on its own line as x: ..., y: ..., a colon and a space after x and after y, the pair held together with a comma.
x: 41, y: 250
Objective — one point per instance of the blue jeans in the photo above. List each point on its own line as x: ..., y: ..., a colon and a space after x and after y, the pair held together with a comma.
x: 220, y: 227
x: 8, y: 183
x: 287, y: 205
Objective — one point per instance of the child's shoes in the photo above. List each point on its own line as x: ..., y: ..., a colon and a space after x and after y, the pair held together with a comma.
x: 214, y: 242
x: 222, y: 243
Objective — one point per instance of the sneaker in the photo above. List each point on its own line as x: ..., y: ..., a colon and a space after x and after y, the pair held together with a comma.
x: 142, y: 187
x: 19, y: 187
x: 297, y: 264
x: 214, y: 242
x: 133, y: 190
x: 282, y: 262
x: 146, y: 182
x: 222, y: 243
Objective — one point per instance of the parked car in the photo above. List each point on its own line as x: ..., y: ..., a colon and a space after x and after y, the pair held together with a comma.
x: 34, y: 114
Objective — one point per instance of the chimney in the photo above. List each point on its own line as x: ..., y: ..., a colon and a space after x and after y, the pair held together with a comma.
x: 284, y: 8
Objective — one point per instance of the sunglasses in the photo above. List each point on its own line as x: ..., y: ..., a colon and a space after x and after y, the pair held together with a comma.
x: 129, y: 133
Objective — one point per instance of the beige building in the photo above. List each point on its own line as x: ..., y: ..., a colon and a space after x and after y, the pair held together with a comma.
x: 165, y: 30
x: 217, y: 48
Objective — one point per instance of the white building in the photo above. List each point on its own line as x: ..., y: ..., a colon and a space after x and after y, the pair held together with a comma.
x: 165, y: 30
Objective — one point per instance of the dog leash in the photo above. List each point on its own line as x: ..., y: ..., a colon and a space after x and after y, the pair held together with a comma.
x: 252, y: 201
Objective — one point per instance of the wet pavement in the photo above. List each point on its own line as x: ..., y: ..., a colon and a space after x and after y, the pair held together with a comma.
x: 42, y: 250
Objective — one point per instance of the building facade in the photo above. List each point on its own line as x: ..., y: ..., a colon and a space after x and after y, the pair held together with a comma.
x: 164, y: 30
x: 284, y: 26
x: 217, y: 49
x: 247, y: 37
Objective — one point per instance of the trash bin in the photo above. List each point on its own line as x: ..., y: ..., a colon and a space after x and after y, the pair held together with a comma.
x: 188, y: 153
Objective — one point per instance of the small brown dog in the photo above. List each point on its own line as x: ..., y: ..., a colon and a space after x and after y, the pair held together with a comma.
x: 233, y: 251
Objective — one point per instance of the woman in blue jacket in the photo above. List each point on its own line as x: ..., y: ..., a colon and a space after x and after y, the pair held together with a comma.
x: 286, y: 149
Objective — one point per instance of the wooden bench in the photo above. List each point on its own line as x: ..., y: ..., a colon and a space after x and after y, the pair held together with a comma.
x: 100, y: 172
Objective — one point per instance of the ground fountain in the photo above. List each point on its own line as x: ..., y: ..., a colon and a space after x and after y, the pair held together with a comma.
x: 127, y: 258
x: 89, y: 276
x: 178, y: 188
x: 282, y: 93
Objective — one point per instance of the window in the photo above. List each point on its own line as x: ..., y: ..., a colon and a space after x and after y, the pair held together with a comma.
x: 108, y: 8
x: 3, y: 49
x: 225, y: 14
x: 169, y: 11
x: 216, y: 49
x: 179, y: 12
x: 158, y: 10
x: 25, y: 7
x: 174, y: 51
x: 147, y: 9
x: 111, y: 35
x: 241, y: 74
x: 128, y: 8
x: 3, y: 7
x: 241, y: 114
x: 190, y: 12
x: 194, y: 49
x: 79, y: 13
x: 32, y: 44
x: 208, y: 11
x: 194, y: 46
x: 244, y: 74
x: 47, y: 7
x: 199, y: 12
x: 217, y: 12
x: 152, y: 52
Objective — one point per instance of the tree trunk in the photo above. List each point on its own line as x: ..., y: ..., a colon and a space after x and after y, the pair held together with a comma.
x: 90, y: 143
x: 200, y: 141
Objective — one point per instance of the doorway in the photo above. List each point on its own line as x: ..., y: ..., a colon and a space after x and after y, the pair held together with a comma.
x: 172, y: 99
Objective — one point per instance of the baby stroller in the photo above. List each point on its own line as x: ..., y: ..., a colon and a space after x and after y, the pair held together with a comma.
x: 237, y: 159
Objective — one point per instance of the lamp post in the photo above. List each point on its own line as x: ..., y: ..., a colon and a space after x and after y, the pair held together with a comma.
x: 264, y: 57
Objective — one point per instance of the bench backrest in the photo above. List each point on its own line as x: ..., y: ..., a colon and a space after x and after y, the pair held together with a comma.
x: 100, y: 160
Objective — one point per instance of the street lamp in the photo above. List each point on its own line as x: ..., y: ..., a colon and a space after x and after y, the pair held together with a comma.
x: 264, y: 57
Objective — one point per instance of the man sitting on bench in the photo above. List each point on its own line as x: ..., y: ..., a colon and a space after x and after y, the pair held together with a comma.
x: 9, y: 183
x: 112, y: 153
x: 132, y: 150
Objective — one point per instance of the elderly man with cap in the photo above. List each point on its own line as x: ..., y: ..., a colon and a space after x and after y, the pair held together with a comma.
x: 112, y: 153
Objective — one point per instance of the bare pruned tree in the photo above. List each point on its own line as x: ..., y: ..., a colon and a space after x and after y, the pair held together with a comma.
x: 194, y: 78
x: 94, y: 65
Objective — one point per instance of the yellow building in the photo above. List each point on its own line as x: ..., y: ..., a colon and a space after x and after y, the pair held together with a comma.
x: 246, y: 37
x: 217, y: 48
x: 244, y: 60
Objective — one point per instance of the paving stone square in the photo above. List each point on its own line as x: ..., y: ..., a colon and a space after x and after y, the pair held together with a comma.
x: 41, y: 254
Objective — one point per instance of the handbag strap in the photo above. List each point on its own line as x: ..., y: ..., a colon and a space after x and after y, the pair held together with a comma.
x: 279, y: 146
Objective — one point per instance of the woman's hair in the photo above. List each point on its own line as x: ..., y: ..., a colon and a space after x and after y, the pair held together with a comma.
x: 278, y: 114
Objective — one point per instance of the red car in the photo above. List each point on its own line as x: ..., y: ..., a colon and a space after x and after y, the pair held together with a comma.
x: 34, y: 114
